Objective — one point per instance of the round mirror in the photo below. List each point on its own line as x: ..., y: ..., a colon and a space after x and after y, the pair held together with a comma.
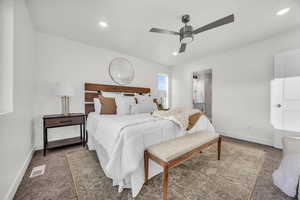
x: 121, y: 71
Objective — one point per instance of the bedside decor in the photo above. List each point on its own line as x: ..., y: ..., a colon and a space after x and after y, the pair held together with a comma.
x: 65, y: 91
x: 121, y: 71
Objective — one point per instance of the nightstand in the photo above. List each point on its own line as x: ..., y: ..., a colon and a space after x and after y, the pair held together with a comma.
x: 60, y: 120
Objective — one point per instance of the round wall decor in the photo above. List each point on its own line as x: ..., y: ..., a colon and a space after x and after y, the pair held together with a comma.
x: 121, y: 71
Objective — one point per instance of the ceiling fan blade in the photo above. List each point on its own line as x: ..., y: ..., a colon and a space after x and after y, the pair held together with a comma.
x: 182, y: 47
x: 215, y: 24
x: 158, y: 30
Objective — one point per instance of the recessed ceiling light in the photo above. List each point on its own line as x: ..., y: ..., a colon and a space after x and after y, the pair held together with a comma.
x: 175, y: 53
x: 103, y: 24
x: 283, y: 11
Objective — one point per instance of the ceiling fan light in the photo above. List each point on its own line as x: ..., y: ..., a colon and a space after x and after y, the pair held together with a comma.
x: 186, y: 34
x: 187, y: 40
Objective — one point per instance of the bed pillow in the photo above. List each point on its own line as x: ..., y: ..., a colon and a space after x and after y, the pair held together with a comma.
x: 144, y: 98
x: 143, y: 108
x: 108, y: 105
x: 97, y: 105
x: 124, y: 104
x: 110, y: 94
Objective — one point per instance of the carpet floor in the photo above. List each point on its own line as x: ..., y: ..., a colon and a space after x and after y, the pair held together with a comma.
x: 201, y: 177
x: 57, y: 182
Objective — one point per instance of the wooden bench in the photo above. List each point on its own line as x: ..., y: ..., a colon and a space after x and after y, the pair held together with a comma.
x: 173, y: 152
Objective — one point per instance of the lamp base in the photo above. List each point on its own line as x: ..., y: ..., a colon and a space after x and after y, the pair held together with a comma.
x: 65, y: 105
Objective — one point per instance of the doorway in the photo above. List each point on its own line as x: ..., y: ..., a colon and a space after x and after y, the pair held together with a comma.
x: 202, y: 91
x: 285, y: 104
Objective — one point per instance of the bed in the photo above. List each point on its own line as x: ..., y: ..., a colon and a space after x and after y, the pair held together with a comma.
x: 120, y: 141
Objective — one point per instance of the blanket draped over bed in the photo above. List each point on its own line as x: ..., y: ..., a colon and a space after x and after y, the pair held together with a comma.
x: 120, y: 142
x: 180, y: 116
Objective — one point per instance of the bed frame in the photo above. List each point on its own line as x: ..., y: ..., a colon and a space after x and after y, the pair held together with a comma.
x: 93, y: 90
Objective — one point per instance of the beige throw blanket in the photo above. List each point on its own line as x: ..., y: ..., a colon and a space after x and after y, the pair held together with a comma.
x: 178, y: 115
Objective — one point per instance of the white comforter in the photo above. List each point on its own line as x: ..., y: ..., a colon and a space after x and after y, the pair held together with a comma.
x: 120, y: 142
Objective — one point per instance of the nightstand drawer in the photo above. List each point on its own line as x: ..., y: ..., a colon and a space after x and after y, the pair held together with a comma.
x: 64, y: 121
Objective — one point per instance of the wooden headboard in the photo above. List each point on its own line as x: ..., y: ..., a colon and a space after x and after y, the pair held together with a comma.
x: 92, y: 90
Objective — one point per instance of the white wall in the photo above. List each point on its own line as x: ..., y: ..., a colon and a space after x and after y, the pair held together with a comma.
x: 6, y: 56
x: 16, y: 128
x: 62, y: 60
x: 241, y: 86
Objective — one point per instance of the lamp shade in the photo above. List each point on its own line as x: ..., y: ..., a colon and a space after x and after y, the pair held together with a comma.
x: 64, y: 90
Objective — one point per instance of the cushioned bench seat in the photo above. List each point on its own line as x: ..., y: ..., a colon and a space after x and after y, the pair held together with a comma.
x: 173, y: 152
x: 174, y: 148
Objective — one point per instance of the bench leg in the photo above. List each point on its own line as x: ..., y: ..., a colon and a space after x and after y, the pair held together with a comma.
x: 146, y: 166
x: 219, y: 147
x: 165, y: 183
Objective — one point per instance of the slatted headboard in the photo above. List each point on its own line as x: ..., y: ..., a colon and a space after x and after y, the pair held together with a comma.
x: 92, y: 90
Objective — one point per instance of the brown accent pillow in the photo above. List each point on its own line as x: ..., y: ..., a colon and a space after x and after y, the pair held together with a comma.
x: 108, y: 105
x: 193, y: 120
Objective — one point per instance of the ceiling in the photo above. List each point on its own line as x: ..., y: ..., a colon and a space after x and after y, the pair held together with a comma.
x: 130, y: 20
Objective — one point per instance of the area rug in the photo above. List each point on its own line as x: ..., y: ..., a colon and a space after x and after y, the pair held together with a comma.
x: 202, y: 177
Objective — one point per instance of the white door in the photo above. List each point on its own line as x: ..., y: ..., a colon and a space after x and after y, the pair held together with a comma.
x: 285, y: 104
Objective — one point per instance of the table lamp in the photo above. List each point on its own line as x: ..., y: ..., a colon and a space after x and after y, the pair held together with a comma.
x: 65, y: 91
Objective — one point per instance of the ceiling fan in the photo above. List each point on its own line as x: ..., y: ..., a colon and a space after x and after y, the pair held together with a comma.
x: 186, y: 33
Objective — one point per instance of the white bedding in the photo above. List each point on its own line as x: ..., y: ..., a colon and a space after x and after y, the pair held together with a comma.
x: 120, y: 142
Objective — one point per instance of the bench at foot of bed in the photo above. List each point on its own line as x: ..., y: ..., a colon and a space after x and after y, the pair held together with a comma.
x: 173, y: 152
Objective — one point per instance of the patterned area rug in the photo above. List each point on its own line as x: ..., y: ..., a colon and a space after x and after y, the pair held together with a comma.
x: 202, y: 177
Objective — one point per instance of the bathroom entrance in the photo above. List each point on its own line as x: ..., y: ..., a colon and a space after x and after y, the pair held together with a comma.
x: 202, y: 91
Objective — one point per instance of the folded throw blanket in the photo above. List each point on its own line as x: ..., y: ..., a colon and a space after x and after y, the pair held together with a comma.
x: 186, y: 118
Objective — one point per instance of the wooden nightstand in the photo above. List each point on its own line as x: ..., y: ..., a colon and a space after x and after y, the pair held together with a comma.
x: 54, y: 121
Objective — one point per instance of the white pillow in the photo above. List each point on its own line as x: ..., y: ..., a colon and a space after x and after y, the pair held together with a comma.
x: 144, y: 98
x: 143, y: 108
x: 97, y: 105
x: 124, y: 104
x: 110, y: 94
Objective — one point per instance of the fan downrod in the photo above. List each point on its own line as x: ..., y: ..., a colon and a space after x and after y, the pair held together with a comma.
x: 185, y: 19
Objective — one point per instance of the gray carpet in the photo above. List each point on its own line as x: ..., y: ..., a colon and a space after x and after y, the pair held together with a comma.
x: 201, y: 177
x: 57, y: 182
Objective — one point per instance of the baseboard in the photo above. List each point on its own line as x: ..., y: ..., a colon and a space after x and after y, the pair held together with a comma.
x: 37, y: 148
x: 14, y: 186
x: 248, y: 138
